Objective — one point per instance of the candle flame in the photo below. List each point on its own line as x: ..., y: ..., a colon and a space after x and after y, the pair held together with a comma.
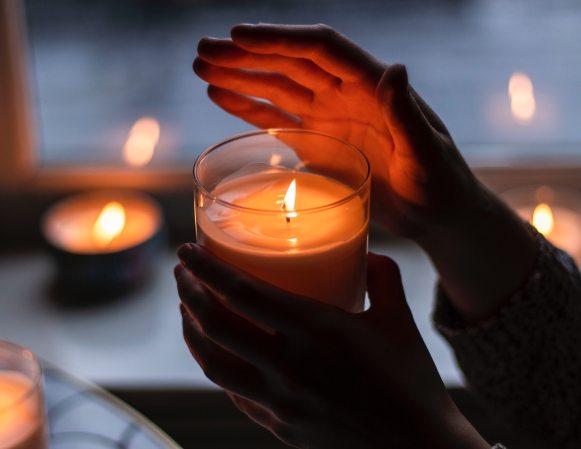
x: 288, y: 204
x: 141, y: 142
x: 522, y: 97
x: 109, y: 224
x: 543, y: 219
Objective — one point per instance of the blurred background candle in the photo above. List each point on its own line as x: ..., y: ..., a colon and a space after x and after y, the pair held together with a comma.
x: 22, y: 420
x: 554, y: 211
x: 267, y: 204
x: 103, y: 240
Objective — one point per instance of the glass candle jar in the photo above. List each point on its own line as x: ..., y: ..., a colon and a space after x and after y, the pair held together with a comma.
x: 290, y: 207
x: 22, y: 417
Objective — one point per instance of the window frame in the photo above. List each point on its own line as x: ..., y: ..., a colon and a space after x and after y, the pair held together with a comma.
x: 21, y: 175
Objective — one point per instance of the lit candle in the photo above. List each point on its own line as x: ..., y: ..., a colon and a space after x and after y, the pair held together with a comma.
x: 554, y: 211
x: 103, y: 239
x: 291, y: 229
x: 21, y: 421
x: 290, y: 207
x: 560, y: 225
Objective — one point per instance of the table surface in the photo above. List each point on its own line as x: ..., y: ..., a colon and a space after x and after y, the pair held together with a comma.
x: 136, y: 341
x: 80, y: 414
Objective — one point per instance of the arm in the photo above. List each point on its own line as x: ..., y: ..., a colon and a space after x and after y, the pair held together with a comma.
x: 315, y: 78
x: 524, y: 362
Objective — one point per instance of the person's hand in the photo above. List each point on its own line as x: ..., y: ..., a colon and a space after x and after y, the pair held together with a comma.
x: 316, y: 376
x: 314, y: 78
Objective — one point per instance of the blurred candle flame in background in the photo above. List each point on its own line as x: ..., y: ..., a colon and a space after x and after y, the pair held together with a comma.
x: 109, y: 224
x: 543, y: 219
x: 522, y: 97
x: 275, y: 159
x: 141, y: 143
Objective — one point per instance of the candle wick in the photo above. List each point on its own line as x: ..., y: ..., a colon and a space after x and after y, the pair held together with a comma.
x: 287, y: 218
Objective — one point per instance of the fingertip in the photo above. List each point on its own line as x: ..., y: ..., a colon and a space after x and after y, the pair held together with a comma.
x: 186, y: 251
x: 178, y: 271
x: 213, y: 91
x: 394, y: 81
x: 203, y: 44
x: 380, y: 265
x: 199, y: 65
x: 241, y: 29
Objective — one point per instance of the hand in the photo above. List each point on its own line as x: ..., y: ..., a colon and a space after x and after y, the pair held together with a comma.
x: 315, y: 78
x: 319, y: 377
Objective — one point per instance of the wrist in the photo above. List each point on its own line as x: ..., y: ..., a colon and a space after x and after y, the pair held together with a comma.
x: 482, y: 258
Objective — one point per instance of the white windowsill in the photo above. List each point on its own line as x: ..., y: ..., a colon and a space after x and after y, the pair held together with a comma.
x: 136, y: 341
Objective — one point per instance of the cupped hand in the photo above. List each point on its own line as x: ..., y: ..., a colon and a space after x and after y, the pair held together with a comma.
x: 314, y: 78
x: 315, y: 375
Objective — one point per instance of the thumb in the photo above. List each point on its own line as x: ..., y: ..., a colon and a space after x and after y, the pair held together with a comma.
x: 411, y: 131
x: 384, y: 285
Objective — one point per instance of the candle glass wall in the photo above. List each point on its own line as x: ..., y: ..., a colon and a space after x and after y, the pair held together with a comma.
x: 290, y: 207
x: 22, y: 417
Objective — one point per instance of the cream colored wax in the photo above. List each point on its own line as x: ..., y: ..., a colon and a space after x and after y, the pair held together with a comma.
x: 318, y: 253
x: 21, y: 414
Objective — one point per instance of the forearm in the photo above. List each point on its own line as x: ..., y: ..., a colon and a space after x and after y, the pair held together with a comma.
x: 482, y: 258
x: 523, y: 362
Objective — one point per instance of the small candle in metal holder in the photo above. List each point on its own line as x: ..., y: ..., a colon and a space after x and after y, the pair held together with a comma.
x: 104, y: 241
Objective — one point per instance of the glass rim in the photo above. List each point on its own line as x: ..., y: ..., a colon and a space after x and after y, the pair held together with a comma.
x: 35, y: 380
x: 275, y: 131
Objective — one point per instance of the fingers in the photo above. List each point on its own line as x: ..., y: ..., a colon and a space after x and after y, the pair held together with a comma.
x: 384, y: 285
x: 253, y: 298
x: 218, y: 324
x: 258, y: 113
x: 274, y: 87
x: 328, y: 49
x: 255, y: 412
x: 218, y: 365
x: 411, y: 131
x: 225, y: 53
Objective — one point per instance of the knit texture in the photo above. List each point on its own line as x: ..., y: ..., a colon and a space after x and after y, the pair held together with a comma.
x: 525, y: 362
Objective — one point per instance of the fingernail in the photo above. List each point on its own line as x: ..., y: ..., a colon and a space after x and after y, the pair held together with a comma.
x: 186, y: 251
x: 178, y: 271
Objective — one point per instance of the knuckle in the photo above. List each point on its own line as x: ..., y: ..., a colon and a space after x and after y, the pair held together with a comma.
x: 325, y: 30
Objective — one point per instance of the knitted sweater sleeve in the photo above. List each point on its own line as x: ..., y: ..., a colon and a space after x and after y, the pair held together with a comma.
x: 525, y: 362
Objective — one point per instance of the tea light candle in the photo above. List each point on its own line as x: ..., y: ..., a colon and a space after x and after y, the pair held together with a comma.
x: 21, y: 426
x: 301, y: 230
x: 554, y: 212
x: 103, y: 240
x: 561, y: 226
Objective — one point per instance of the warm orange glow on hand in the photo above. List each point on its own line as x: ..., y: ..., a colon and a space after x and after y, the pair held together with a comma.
x: 311, y: 77
x: 141, y: 143
x: 543, y: 219
x: 109, y: 224
x: 522, y: 98
x: 288, y: 203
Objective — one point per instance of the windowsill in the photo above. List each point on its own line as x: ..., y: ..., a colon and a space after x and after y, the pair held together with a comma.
x: 135, y: 341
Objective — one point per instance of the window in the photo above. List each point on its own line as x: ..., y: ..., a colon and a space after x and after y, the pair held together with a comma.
x: 96, y: 69
x: 101, y: 65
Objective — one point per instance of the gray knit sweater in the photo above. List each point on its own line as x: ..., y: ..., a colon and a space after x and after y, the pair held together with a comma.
x: 525, y: 362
